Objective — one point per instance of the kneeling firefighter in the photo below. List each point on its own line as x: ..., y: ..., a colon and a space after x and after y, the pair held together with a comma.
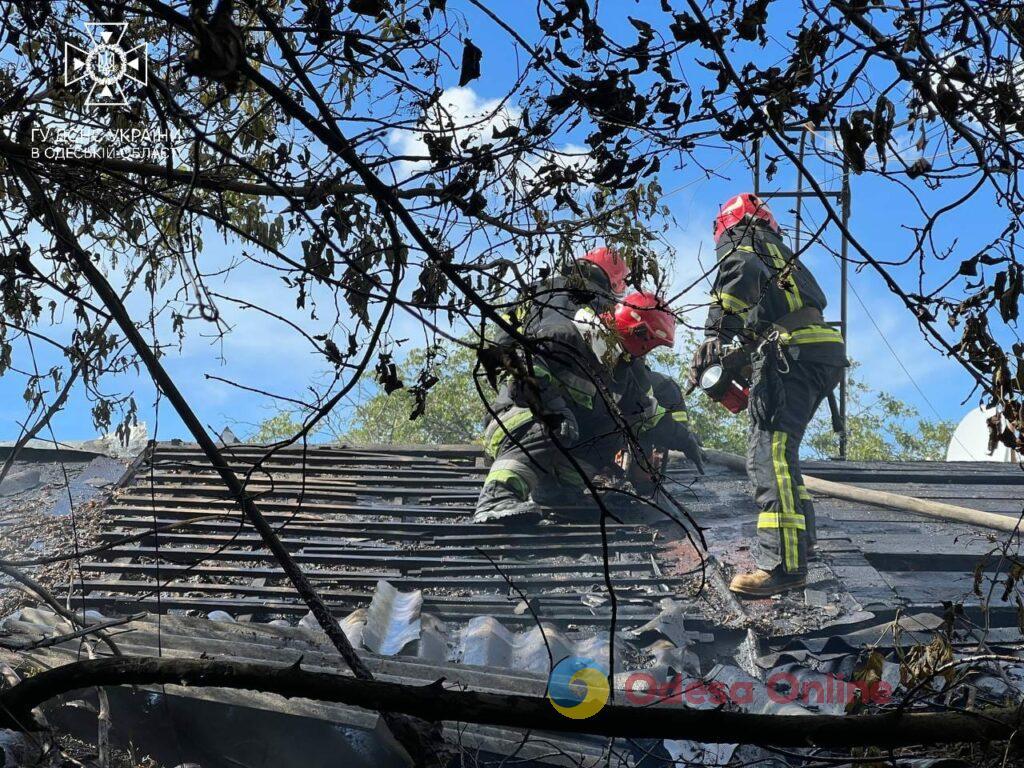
x: 646, y: 406
x: 556, y: 427
x: 765, y: 327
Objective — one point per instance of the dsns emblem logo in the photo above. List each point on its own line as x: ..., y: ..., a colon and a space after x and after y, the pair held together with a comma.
x: 578, y: 688
x: 107, y: 65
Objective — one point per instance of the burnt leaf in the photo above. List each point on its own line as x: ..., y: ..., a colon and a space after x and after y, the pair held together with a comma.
x: 471, y: 56
x: 333, y: 353
x: 856, y: 136
x: 685, y: 28
x: 1012, y: 577
x: 424, y: 383
x: 387, y: 374
x: 920, y: 167
x: 318, y: 16
x: 374, y: 8
x: 979, y: 573
x: 869, y: 672
x: 508, y: 132
x: 924, y: 662
x: 432, y: 285
x: 969, y: 267
x: 884, y: 119
x: 1007, y: 288
x: 751, y: 23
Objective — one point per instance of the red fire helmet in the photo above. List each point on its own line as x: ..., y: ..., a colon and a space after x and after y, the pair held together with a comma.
x: 738, y: 208
x: 611, y: 264
x: 643, y: 322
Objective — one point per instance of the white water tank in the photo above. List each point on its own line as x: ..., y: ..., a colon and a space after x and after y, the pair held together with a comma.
x: 970, y: 440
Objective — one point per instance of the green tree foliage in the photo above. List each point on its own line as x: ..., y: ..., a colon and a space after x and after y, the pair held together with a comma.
x: 452, y: 409
x: 452, y: 412
x: 881, y: 427
x: 280, y: 426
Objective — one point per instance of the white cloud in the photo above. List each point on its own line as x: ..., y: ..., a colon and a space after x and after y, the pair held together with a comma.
x: 459, y: 113
x: 470, y: 120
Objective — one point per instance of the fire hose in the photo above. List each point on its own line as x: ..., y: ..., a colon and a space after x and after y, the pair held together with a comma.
x: 934, y: 509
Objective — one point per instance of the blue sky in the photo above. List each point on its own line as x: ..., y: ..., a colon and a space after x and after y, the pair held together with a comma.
x: 883, y: 336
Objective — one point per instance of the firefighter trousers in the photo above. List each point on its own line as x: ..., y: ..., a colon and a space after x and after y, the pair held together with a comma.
x: 786, y: 522
x: 528, y: 461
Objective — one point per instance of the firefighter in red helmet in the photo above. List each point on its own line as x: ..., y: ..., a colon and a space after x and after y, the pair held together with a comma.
x: 766, y: 311
x: 611, y: 264
x: 596, y: 280
x: 561, y: 424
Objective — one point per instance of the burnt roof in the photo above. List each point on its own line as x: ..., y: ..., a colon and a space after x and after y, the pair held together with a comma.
x: 355, y: 516
x: 386, y: 535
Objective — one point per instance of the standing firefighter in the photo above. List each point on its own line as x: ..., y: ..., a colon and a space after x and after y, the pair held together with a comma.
x: 767, y: 309
x: 567, y: 413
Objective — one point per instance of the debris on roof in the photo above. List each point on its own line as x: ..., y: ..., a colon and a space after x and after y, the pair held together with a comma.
x: 386, y: 536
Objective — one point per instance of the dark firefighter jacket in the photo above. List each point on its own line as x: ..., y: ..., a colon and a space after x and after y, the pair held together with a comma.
x: 671, y: 427
x: 604, y: 397
x: 575, y: 286
x: 758, y: 282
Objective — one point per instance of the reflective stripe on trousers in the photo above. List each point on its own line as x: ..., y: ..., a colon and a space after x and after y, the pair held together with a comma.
x: 786, y: 523
x: 525, y: 457
x: 781, y: 525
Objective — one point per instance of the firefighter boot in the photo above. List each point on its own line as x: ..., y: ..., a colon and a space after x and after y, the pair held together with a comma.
x: 766, y: 583
x: 498, y: 502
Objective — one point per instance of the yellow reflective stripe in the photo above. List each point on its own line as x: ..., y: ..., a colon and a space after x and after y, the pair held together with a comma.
x: 568, y: 474
x: 814, y: 334
x: 793, y: 298
x: 580, y: 390
x: 731, y: 303
x: 803, y: 493
x: 784, y: 482
x: 504, y: 426
x: 791, y: 549
x: 782, y: 477
x: 779, y: 520
x: 735, y: 248
x: 652, y: 421
x: 507, y: 477
x: 680, y: 417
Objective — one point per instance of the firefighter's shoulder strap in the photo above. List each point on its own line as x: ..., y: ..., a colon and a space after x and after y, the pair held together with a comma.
x: 798, y: 318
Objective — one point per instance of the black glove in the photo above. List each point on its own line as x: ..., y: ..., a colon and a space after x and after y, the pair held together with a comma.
x: 706, y: 355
